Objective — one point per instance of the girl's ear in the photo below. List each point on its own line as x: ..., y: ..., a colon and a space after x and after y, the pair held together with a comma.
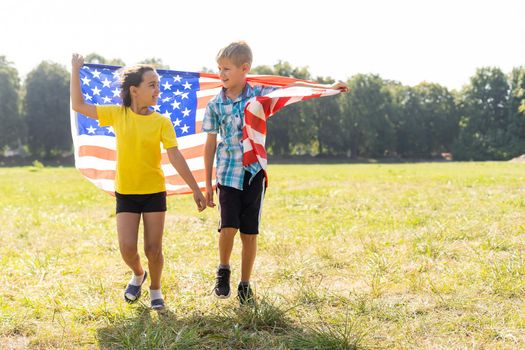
x: 133, y: 90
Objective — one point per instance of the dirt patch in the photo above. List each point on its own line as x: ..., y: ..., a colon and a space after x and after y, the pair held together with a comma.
x: 14, y: 342
x: 520, y: 159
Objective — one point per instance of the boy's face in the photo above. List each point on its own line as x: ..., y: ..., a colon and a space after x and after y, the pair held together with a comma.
x: 232, y: 76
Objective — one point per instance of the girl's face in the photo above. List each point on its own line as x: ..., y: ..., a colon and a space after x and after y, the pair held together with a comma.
x: 231, y: 75
x: 147, y: 92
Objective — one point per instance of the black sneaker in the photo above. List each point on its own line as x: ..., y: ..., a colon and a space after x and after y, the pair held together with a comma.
x: 245, y: 294
x: 222, y: 284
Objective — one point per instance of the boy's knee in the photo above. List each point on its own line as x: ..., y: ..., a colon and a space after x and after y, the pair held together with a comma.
x: 247, y: 238
x: 229, y: 231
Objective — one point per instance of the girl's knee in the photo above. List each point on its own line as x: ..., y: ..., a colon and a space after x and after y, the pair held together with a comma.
x: 128, y: 250
x: 153, y: 252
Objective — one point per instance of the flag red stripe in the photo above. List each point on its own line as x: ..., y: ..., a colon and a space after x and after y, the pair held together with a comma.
x: 176, y: 180
x: 249, y: 157
x: 281, y: 102
x: 210, y: 85
x: 96, y: 174
x: 203, y: 101
x: 259, y: 149
x: 97, y: 151
x: 187, y: 153
x: 255, y: 123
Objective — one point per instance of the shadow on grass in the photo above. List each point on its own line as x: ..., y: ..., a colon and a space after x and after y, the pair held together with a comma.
x: 263, y: 326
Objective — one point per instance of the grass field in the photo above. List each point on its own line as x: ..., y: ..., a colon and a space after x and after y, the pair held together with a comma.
x: 398, y: 256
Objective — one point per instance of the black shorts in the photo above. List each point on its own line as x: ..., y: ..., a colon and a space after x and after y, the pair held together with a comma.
x: 242, y: 209
x: 141, y: 203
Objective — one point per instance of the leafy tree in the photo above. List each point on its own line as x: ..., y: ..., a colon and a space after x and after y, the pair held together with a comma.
x: 155, y: 62
x: 263, y: 70
x: 12, y: 125
x: 484, y: 117
x: 99, y: 59
x: 368, y: 125
x: 428, y: 122
x: 516, y: 107
x: 47, y: 111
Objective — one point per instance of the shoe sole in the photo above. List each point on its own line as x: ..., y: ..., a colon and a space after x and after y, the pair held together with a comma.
x: 222, y: 296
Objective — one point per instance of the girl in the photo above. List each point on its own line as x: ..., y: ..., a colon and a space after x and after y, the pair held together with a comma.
x: 139, y: 181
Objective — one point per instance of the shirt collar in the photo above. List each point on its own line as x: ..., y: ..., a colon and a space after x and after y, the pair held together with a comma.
x: 247, y: 92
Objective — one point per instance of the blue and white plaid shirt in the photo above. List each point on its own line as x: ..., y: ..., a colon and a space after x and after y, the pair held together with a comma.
x: 225, y: 116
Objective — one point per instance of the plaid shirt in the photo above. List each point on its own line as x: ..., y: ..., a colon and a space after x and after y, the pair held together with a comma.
x: 225, y: 116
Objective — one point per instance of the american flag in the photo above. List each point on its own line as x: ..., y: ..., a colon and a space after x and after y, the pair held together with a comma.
x: 260, y: 108
x: 183, y: 98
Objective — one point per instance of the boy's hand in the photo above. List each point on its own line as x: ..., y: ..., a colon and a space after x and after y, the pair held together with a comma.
x: 199, y: 200
x: 77, y: 61
x: 209, y: 196
x: 339, y: 86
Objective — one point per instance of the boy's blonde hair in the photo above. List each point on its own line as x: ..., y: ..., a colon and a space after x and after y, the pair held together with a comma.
x: 238, y: 52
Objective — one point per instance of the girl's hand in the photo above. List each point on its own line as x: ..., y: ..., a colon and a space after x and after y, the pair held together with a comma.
x: 199, y: 200
x: 77, y: 61
x: 209, y: 197
x: 339, y: 86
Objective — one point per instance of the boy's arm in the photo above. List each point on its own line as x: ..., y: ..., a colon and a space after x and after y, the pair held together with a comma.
x: 179, y: 163
x: 209, y: 155
x: 335, y: 86
x: 77, y: 100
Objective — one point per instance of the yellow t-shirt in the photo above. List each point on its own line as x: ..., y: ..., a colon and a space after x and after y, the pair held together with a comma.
x: 138, y: 148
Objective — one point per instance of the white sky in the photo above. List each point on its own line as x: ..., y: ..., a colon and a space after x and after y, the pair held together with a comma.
x: 441, y: 41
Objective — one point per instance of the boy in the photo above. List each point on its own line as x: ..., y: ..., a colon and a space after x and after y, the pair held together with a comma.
x: 240, y: 188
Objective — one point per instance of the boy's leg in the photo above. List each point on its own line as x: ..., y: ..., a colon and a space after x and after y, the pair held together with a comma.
x: 222, y: 279
x: 153, y: 231
x: 252, y: 202
x: 226, y: 239
x: 128, y: 229
x: 249, y: 251
x: 229, y: 209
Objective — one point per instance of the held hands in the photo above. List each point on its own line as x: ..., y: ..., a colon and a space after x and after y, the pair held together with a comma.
x: 339, y: 86
x: 209, y: 197
x: 77, y: 61
x: 199, y: 200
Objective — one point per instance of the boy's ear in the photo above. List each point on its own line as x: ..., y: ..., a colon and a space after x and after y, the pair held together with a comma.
x: 132, y: 90
x: 245, y: 67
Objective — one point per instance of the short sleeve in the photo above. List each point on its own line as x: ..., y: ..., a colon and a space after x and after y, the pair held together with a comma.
x: 168, y: 137
x: 210, y: 123
x: 106, y: 114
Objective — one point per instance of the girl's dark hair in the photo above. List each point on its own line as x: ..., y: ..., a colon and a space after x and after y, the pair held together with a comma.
x: 131, y: 76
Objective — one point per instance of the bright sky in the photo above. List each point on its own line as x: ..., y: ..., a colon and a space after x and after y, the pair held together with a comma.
x: 441, y: 41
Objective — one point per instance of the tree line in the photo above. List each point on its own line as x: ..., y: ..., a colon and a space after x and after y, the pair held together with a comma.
x: 379, y: 118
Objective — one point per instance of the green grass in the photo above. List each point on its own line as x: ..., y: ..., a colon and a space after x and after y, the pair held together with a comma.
x: 374, y: 256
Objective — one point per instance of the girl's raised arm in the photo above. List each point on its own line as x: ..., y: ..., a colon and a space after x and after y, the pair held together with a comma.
x: 77, y: 100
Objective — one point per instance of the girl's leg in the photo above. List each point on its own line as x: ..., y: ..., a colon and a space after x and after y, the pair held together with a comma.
x: 128, y: 230
x: 153, y: 230
x: 249, y: 251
